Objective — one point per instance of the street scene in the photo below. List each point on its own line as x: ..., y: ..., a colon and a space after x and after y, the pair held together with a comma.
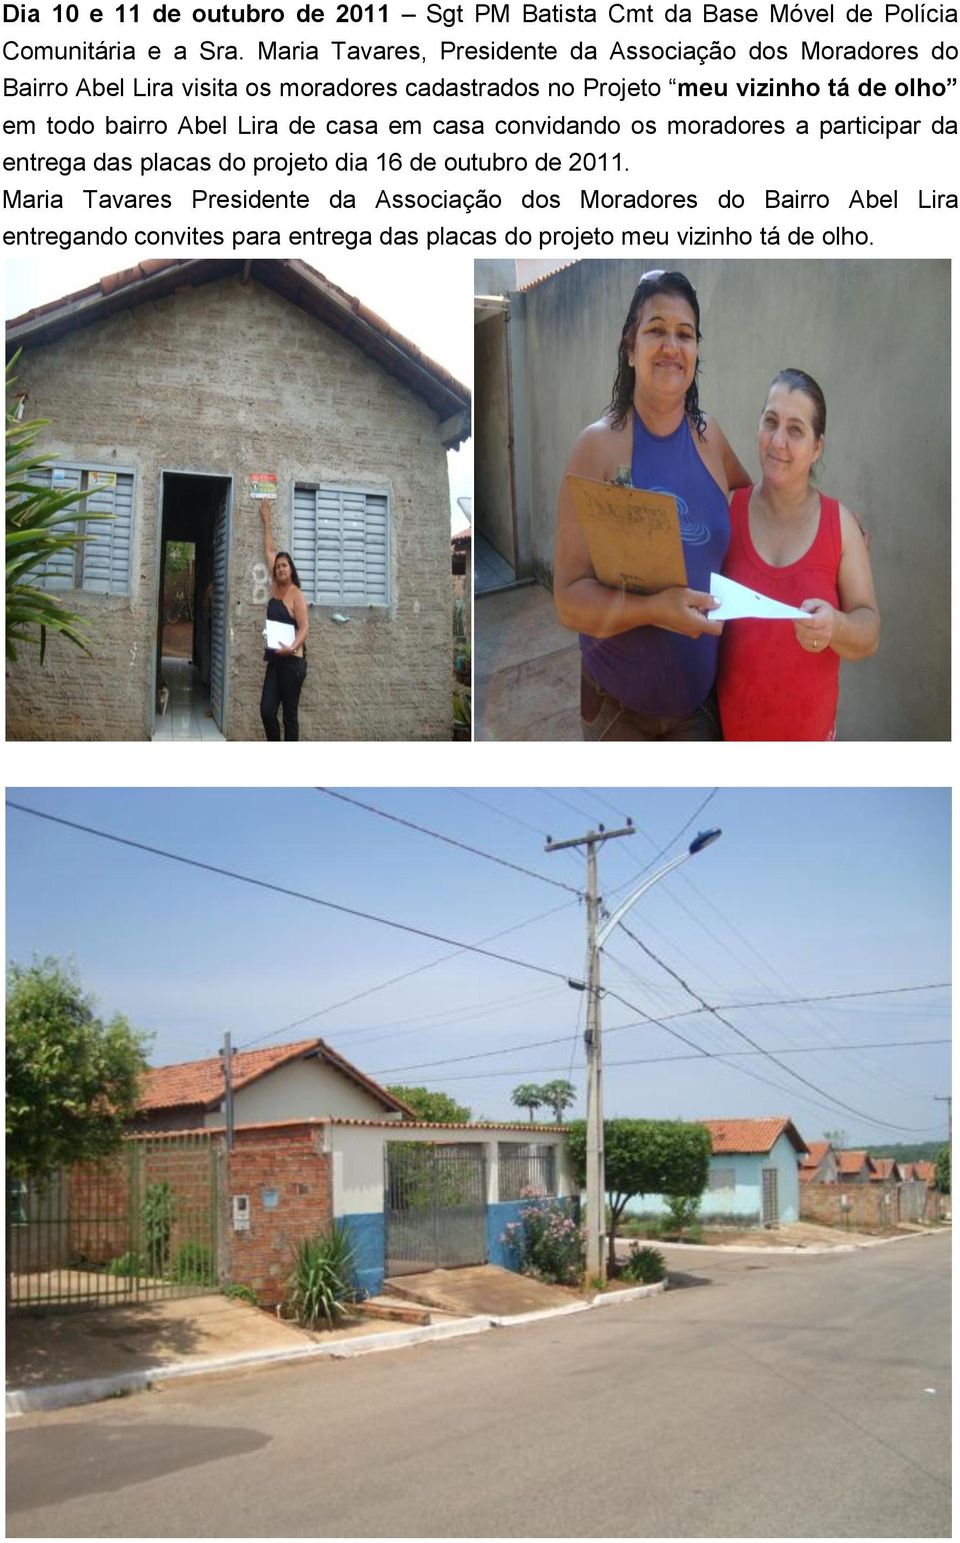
x: 394, y: 1197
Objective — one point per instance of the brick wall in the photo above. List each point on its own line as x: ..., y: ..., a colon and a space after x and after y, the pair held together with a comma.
x: 867, y: 1208
x: 226, y: 379
x: 290, y: 1161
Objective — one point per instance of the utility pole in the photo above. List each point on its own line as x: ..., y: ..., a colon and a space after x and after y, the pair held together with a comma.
x: 227, y: 1058
x: 596, y: 1187
x: 946, y: 1098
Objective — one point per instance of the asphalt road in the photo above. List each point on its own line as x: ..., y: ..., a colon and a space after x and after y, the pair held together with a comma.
x: 770, y: 1396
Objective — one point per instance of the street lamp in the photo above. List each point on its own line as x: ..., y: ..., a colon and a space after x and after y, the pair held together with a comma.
x: 596, y: 1183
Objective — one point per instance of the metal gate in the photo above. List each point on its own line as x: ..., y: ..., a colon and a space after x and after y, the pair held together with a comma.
x: 218, y: 642
x: 139, y: 1226
x: 435, y: 1206
x: 771, y: 1198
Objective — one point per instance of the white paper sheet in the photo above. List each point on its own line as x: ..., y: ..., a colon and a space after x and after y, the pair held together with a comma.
x: 279, y: 634
x: 737, y: 601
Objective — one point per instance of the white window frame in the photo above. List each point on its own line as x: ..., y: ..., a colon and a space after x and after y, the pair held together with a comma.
x: 47, y: 580
x: 354, y: 490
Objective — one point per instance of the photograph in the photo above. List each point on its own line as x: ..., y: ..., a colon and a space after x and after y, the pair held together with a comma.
x: 407, y: 1161
x: 240, y: 504
x: 718, y: 475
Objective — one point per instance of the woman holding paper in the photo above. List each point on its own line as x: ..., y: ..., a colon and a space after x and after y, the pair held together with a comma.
x: 779, y: 680
x: 287, y: 657
x: 649, y: 660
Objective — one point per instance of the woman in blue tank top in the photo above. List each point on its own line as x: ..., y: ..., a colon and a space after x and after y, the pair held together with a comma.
x: 648, y: 662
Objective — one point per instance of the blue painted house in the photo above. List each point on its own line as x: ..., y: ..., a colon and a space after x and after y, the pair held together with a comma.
x: 754, y: 1177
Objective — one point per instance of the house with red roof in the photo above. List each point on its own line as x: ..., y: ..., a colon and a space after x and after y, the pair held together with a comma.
x: 855, y: 1167
x: 887, y: 1171
x: 186, y: 400
x: 820, y: 1164
x: 753, y: 1179
x: 300, y: 1081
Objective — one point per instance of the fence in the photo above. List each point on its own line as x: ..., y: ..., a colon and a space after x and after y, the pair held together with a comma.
x: 870, y: 1207
x: 526, y: 1166
x: 139, y: 1226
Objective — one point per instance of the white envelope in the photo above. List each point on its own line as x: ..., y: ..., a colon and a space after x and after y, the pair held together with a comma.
x: 737, y: 601
x: 279, y: 634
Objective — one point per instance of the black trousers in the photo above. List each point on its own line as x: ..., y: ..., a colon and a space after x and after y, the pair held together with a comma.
x: 281, y: 686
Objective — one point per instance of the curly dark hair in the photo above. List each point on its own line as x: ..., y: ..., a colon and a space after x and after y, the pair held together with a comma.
x: 293, y: 568
x: 622, y: 399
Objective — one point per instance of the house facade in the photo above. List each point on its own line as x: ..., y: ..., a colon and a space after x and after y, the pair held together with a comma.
x: 180, y: 395
x: 820, y: 1165
x: 753, y: 1178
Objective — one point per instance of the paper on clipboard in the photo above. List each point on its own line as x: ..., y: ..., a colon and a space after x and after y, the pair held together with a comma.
x: 279, y: 634
x: 633, y: 535
x: 737, y: 602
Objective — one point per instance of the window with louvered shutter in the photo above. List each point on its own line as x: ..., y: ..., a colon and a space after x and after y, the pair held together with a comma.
x: 341, y: 545
x: 101, y: 565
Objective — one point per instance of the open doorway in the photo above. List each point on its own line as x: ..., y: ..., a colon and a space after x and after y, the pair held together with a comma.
x: 192, y: 607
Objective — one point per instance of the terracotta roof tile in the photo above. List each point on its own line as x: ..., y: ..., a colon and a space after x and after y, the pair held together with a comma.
x: 852, y: 1162
x: 752, y: 1135
x: 925, y: 1171
x: 191, y: 1084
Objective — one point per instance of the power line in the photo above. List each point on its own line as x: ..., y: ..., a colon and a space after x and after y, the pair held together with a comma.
x: 294, y: 894
x: 837, y: 1103
x: 423, y: 830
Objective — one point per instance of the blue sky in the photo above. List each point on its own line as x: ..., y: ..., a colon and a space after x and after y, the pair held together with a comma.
x: 809, y: 891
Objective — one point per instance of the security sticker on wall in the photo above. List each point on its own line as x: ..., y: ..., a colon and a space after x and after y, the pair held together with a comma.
x: 261, y: 484
x: 101, y: 479
x: 270, y: 1199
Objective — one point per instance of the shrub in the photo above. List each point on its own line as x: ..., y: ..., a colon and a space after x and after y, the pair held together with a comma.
x: 127, y: 1265
x: 322, y: 1277
x: 546, y: 1243
x: 193, y: 1265
x: 645, y: 1265
x: 242, y: 1293
x: 157, y: 1214
x: 683, y: 1210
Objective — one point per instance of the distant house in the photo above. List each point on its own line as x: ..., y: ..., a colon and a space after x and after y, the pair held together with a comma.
x: 855, y: 1167
x: 927, y: 1173
x: 306, y: 1080
x: 753, y: 1178
x: 820, y: 1164
x: 886, y: 1171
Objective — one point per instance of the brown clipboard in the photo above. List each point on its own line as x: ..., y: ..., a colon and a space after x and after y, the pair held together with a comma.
x: 633, y: 535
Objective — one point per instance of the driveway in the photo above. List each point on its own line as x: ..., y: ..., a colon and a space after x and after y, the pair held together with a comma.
x: 781, y: 1395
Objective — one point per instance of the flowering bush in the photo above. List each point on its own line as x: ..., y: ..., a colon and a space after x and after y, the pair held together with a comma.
x: 547, y: 1242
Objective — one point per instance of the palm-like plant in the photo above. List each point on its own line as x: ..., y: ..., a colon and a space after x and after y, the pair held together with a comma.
x: 527, y: 1096
x: 323, y: 1277
x: 40, y: 523
x: 558, y: 1096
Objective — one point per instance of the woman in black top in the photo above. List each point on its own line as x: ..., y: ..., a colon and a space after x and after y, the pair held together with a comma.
x: 287, y: 665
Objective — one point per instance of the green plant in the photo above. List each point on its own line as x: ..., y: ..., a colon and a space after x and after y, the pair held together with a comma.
x: 193, y: 1265
x: 241, y: 1293
x: 322, y: 1277
x: 595, y: 1283
x: 41, y: 522
x: 943, y: 1171
x: 434, y: 1108
x: 128, y: 1264
x: 157, y: 1214
x: 462, y: 709
x: 546, y: 1242
x: 558, y: 1096
x: 682, y: 1210
x: 645, y: 1265
x: 529, y: 1095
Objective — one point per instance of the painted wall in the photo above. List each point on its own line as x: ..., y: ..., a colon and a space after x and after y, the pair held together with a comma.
x: 745, y: 1200
x: 302, y: 1090
x: 876, y: 335
x: 227, y: 379
x: 493, y: 509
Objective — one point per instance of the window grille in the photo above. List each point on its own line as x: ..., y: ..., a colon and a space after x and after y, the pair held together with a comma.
x: 341, y: 545
x: 525, y: 1166
x: 101, y: 564
x: 722, y: 1178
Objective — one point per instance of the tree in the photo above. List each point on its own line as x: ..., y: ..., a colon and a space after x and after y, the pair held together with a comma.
x: 643, y: 1157
x: 73, y: 1082
x: 432, y: 1108
x: 527, y: 1096
x: 558, y: 1096
x: 40, y: 523
x: 943, y: 1171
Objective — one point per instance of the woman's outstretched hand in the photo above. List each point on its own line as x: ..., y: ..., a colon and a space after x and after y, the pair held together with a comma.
x: 684, y: 611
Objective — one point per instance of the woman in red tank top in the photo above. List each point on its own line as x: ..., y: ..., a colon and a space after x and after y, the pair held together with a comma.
x: 779, y: 680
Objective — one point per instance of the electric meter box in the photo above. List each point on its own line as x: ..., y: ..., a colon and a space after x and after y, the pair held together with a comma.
x: 241, y: 1213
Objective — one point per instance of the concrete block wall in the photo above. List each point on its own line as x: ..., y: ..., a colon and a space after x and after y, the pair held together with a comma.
x: 289, y: 1161
x: 228, y: 379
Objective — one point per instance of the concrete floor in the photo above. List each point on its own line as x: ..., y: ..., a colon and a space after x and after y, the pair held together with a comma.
x: 526, y: 668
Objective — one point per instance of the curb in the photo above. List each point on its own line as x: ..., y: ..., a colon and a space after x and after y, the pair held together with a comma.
x: 65, y: 1395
